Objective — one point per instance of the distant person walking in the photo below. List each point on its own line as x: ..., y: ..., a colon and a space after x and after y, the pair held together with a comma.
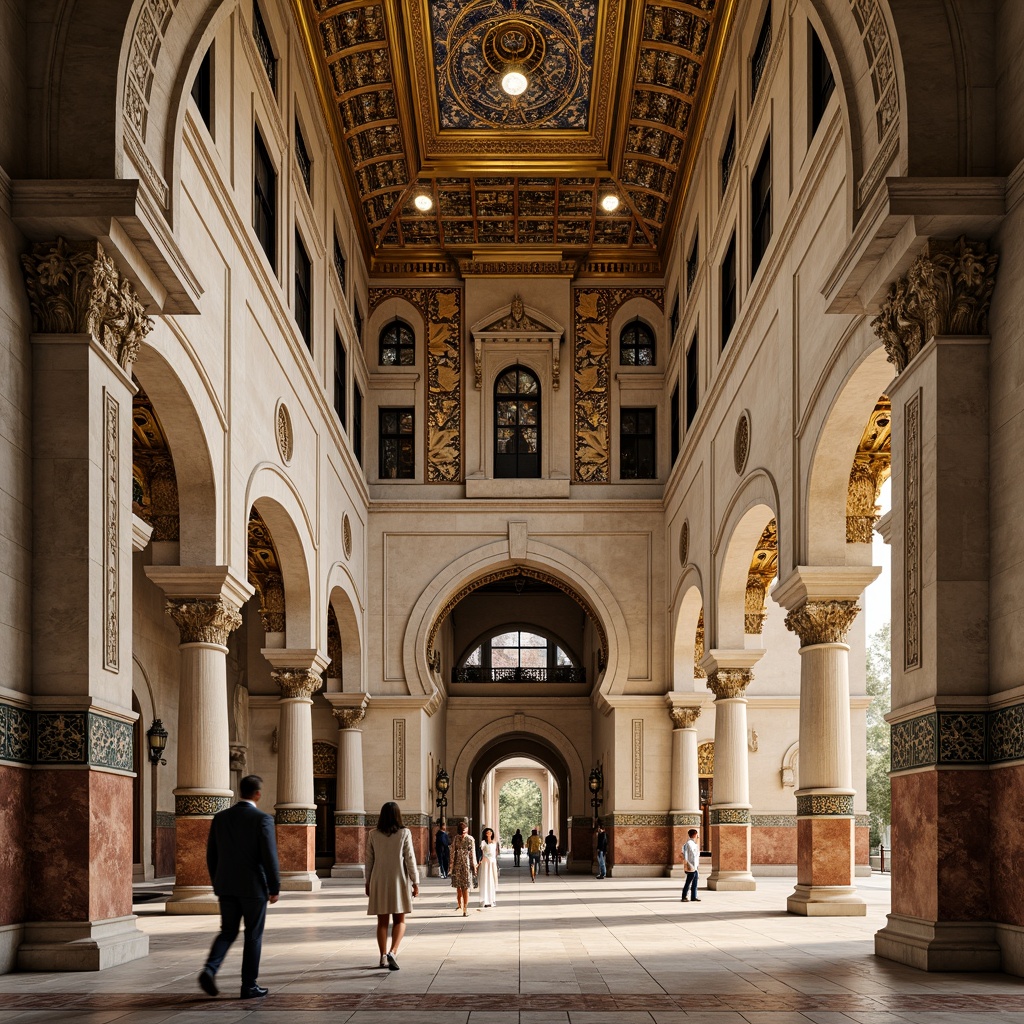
x: 241, y: 856
x: 390, y: 875
x: 550, y: 852
x: 442, y: 847
x: 517, y: 847
x: 488, y: 869
x: 691, y: 864
x: 464, y: 866
x: 602, y: 852
x: 533, y: 847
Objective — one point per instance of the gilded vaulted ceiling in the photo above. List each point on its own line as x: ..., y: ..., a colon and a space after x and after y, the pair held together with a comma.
x: 617, y: 90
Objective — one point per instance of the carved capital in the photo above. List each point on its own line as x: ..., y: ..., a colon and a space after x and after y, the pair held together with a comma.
x: 947, y: 291
x: 297, y: 682
x: 822, y: 622
x: 349, y: 718
x: 684, y: 718
x: 204, y: 622
x: 729, y: 682
x: 754, y: 613
x: 76, y: 288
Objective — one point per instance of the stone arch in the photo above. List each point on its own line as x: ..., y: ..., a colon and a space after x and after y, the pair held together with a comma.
x: 650, y: 316
x: 790, y: 767
x: 686, y: 610
x: 200, y: 539
x: 389, y: 308
x: 754, y: 504
x: 496, y: 556
x: 274, y: 498
x: 342, y: 598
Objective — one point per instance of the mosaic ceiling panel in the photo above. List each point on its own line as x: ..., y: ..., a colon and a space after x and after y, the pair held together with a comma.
x: 616, y: 92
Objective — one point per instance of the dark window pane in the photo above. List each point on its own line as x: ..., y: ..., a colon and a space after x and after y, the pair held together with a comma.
x: 823, y: 82
x: 266, y: 51
x: 202, y: 89
x: 675, y: 424
x: 637, y: 460
x: 302, y: 157
x: 339, y: 262
x: 692, y: 264
x: 692, y: 381
x: 761, y: 208
x: 264, y: 199
x: 303, y: 289
x: 339, y: 379
x: 729, y: 290
x: 397, y: 344
x: 397, y: 447
x: 728, y: 155
x: 516, y: 424
x: 357, y: 425
x: 636, y: 344
x: 762, y: 49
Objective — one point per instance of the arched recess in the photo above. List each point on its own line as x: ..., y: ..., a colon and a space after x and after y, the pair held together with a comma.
x: 200, y: 539
x: 651, y: 316
x: 686, y: 614
x: 285, y: 516
x: 754, y: 504
x: 455, y: 577
x: 392, y: 307
x: 828, y: 478
x: 341, y: 596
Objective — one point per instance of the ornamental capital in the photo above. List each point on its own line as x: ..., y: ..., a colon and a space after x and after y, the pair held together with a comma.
x: 684, y: 717
x: 726, y: 683
x: 204, y: 622
x: 946, y: 291
x: 822, y: 622
x: 297, y: 682
x: 76, y: 288
x: 349, y: 718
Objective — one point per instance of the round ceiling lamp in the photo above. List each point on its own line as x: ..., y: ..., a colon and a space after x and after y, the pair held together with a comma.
x: 515, y: 83
x: 423, y: 202
x: 610, y: 203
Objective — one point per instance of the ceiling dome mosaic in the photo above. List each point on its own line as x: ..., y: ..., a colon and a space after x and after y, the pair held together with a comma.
x: 551, y: 44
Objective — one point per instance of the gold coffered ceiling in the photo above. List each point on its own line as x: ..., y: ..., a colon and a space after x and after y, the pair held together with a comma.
x: 618, y: 89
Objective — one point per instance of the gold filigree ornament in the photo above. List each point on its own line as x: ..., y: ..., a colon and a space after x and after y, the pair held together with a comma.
x: 285, y: 436
x: 684, y: 543
x: 346, y: 535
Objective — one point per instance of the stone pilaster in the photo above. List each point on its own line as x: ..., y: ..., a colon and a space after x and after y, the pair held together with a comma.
x: 350, y: 813
x: 685, y: 795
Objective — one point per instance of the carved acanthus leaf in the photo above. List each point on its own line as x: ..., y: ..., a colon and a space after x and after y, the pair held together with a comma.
x: 204, y: 622
x: 684, y: 717
x: 726, y: 683
x: 822, y: 622
x: 297, y: 682
x: 349, y: 718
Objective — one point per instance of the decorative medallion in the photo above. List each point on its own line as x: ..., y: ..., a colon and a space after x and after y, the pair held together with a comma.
x: 346, y: 535
x: 741, y: 442
x: 285, y: 441
x: 684, y: 542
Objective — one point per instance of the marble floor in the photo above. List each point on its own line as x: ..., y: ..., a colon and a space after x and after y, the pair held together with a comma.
x: 565, y: 950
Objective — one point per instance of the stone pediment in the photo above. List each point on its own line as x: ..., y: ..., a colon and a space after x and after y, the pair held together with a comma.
x: 516, y: 324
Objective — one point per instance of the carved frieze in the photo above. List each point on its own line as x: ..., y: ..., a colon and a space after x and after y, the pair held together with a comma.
x: 110, y: 743
x: 193, y: 805
x: 15, y: 733
x: 729, y: 683
x: 822, y: 622
x: 684, y: 717
x: 343, y: 819
x: 912, y: 532
x: 730, y: 816
x: 947, y: 291
x: 295, y: 816
x: 821, y: 805
x: 325, y: 759
x: 296, y: 682
x: 76, y: 288
x: 62, y: 737
x: 204, y: 622
x: 871, y: 468
x: 264, y: 572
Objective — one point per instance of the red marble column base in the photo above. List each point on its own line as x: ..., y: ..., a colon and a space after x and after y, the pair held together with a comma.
x: 349, y: 851
x: 824, y: 869
x: 193, y: 892
x: 296, y: 854
x: 639, y: 851
x: 730, y: 859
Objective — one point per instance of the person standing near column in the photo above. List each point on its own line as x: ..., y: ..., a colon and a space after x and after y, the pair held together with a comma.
x: 442, y: 847
x: 691, y: 864
x: 241, y: 855
x: 602, y: 852
x: 390, y: 874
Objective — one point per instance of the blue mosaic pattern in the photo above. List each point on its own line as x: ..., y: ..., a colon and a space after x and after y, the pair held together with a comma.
x: 15, y: 734
x: 474, y: 44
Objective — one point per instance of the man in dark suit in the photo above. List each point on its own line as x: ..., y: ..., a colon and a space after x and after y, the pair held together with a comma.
x: 241, y: 855
x: 442, y: 846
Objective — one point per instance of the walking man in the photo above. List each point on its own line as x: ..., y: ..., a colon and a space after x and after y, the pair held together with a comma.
x: 517, y: 847
x: 602, y: 852
x: 550, y: 852
x: 442, y: 846
x: 533, y: 848
x: 691, y: 862
x: 241, y: 855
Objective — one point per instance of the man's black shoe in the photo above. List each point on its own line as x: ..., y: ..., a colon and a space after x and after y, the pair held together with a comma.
x: 254, y: 993
x: 207, y: 984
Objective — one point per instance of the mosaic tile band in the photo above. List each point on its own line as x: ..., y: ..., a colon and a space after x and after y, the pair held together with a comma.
x: 190, y: 806
x: 958, y: 738
x: 342, y: 819
x: 730, y: 816
x: 295, y: 816
x: 821, y: 805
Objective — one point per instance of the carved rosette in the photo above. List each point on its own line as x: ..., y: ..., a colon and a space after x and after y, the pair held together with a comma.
x: 822, y: 622
x: 204, y: 622
x: 297, y: 683
x: 349, y: 718
x: 684, y: 717
x: 947, y: 291
x: 728, y: 683
x: 76, y: 288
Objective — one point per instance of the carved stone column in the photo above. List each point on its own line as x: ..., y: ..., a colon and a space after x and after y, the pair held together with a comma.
x: 87, y: 324
x: 934, y: 325
x: 685, y: 797
x: 729, y: 674
x: 295, y: 810
x: 350, y: 815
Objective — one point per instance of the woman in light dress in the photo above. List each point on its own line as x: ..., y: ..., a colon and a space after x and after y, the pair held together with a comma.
x: 390, y: 875
x: 488, y: 869
x: 463, y: 865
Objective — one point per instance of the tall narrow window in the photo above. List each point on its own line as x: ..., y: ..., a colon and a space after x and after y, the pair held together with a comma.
x: 302, y: 157
x: 636, y: 344
x: 823, y: 82
x: 517, y: 424
x: 357, y: 319
x: 340, y: 378
x: 397, y: 444
x: 692, y: 263
x: 728, y: 290
x: 339, y: 262
x: 675, y: 424
x: 202, y: 88
x: 763, y: 47
x: 673, y: 320
x: 303, y: 292
x: 397, y: 344
x: 692, y: 380
x: 263, y: 46
x: 264, y: 199
x: 637, y: 450
x: 728, y: 155
x: 357, y: 424
x: 761, y: 207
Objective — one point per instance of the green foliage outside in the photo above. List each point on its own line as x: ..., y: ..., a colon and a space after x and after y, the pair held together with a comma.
x: 518, y: 807
x: 879, y: 686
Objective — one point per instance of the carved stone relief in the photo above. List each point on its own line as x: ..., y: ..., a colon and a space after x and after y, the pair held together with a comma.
x: 684, y: 543
x: 912, y: 533
x: 706, y: 759
x: 871, y: 468
x: 204, y: 622
x: 283, y: 432
x: 154, y: 482
x: 698, y: 648
x: 741, y: 442
x: 822, y: 622
x: 112, y: 533
x: 264, y: 572
x: 729, y: 683
x: 684, y: 717
x: 638, y: 758
x: 297, y: 683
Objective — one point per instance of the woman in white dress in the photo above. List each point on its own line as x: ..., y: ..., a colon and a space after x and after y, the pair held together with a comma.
x: 392, y: 880
x: 488, y: 878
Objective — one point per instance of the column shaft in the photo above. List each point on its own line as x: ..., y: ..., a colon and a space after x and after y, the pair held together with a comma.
x: 684, y: 812
x: 350, y: 816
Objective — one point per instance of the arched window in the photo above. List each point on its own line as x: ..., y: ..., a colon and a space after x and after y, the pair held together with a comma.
x: 519, y: 656
x: 636, y: 344
x: 517, y: 424
x: 397, y: 344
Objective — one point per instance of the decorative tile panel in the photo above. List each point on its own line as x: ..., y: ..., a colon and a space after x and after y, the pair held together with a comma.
x: 1006, y: 734
x: 913, y: 744
x: 730, y: 816
x: 341, y: 818
x: 773, y: 820
x: 821, y: 805
x: 636, y: 820
x: 962, y: 737
x: 164, y: 819
x: 684, y: 820
x: 62, y: 737
x: 198, y: 806
x: 110, y: 743
x: 295, y: 816
x: 15, y: 734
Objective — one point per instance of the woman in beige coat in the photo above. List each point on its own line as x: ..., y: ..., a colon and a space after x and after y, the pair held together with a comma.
x: 390, y: 873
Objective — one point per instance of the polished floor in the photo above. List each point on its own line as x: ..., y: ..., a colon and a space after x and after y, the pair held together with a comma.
x: 565, y: 950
